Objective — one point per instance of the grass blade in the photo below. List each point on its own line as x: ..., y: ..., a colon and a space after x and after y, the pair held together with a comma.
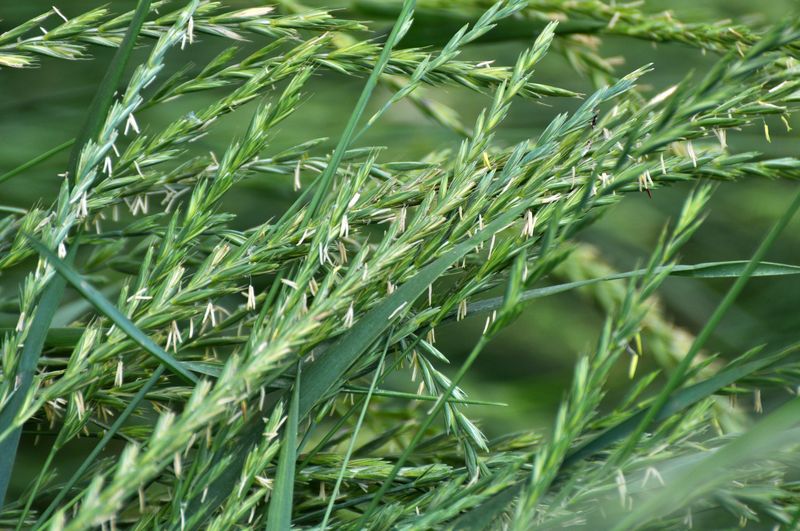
x: 634, y: 428
x: 67, y: 337
x: 105, y: 307
x: 325, y: 180
x: 423, y: 428
x: 351, y: 446
x: 35, y: 160
x: 508, y: 312
x: 679, y: 401
x: 734, y: 268
x: 13, y: 210
x: 29, y: 358
x: 110, y: 433
x: 760, y: 442
x: 731, y: 269
x: 280, y: 505
x: 413, y: 396
x: 324, y: 373
x: 105, y: 93
x: 481, y: 517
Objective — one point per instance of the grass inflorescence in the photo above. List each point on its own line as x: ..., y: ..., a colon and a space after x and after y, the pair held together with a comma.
x: 249, y: 374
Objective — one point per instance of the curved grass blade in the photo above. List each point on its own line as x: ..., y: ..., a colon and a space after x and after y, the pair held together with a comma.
x: 57, y: 337
x: 508, y: 312
x: 280, y: 506
x: 678, y: 402
x: 734, y: 269
x: 423, y: 428
x: 731, y: 269
x: 67, y: 337
x: 105, y: 307
x: 343, y: 418
x: 422, y: 398
x: 322, y: 375
x: 325, y: 180
x: 29, y: 358
x: 481, y: 517
x: 105, y: 94
x: 664, y: 405
x: 51, y: 296
x: 352, y: 444
x: 13, y: 210
x: 110, y: 433
x: 327, y: 370
x: 435, y: 25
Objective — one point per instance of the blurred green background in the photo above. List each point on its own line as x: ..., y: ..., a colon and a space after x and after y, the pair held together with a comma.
x: 529, y: 366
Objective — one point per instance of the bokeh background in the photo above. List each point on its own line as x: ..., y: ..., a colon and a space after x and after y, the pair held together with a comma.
x: 529, y: 366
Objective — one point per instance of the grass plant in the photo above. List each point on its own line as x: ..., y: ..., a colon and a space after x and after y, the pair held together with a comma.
x: 248, y: 376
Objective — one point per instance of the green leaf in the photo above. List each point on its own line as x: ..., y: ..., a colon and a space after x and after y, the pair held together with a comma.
x: 351, y: 446
x: 507, y: 313
x: 730, y: 269
x: 57, y: 337
x: 322, y: 375
x: 51, y: 296
x: 327, y: 370
x: 482, y: 516
x: 280, y: 505
x: 105, y: 307
x: 324, y: 181
x: 678, y: 402
x: 734, y: 268
x: 29, y: 359
x: 413, y: 396
x: 434, y: 25
x: 67, y: 337
x: 36, y: 160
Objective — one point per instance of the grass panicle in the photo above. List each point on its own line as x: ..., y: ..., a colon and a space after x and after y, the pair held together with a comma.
x: 282, y: 370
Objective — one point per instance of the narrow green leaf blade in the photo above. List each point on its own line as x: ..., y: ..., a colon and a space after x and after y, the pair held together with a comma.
x: 678, y: 374
x: 481, y: 517
x: 351, y: 445
x: 731, y: 269
x: 29, y: 358
x: 759, y: 443
x: 734, y: 269
x: 681, y: 400
x: 326, y: 178
x: 324, y: 373
x: 35, y: 160
x: 413, y: 396
x: 105, y: 307
x: 280, y: 505
x: 104, y: 97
